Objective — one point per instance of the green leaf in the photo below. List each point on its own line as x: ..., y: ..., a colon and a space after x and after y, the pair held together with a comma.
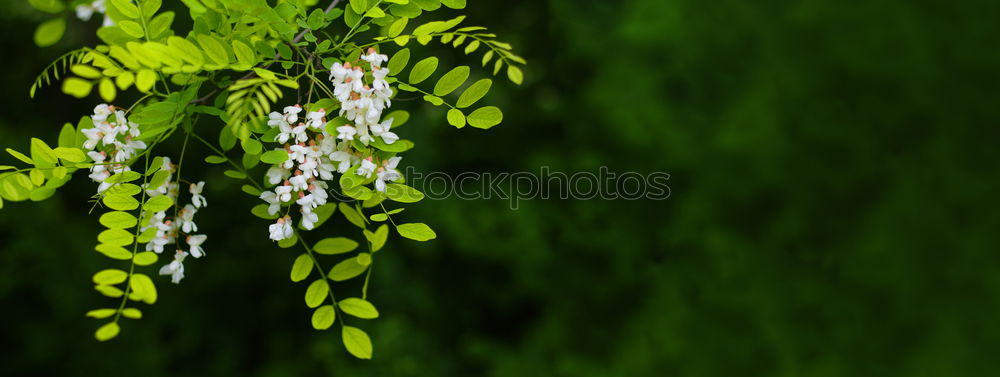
x: 126, y: 8
x: 48, y: 6
x: 324, y: 212
x: 143, y: 288
x: 416, y: 231
x: 379, y: 237
x: 398, y: 61
x: 346, y: 269
x: 77, y: 87
x: 85, y: 71
x: 454, y: 4
x: 473, y: 93
x: 317, y: 292
x: 67, y: 136
x: 110, y: 276
x: 70, y: 154
x: 115, y: 237
x: 50, y: 32
x: 109, y: 291
x: 352, y: 215
x: 145, y: 258
x: 423, y: 69
x: 316, y: 19
x: 323, y: 317
x: 515, y: 75
x: 107, y: 332
x: 214, y: 48
x: 144, y: 80
x: 114, y: 251
x: 132, y: 313
x: 403, y: 193
x: 335, y: 245
x: 42, y: 154
x: 260, y: 211
x: 301, y: 268
x: 149, y: 7
x: 126, y: 176
x: 118, y: 220
x: 396, y: 28
x: 101, y: 313
x: 276, y: 156
x: 385, y: 216
x: 120, y: 202
x: 217, y: 159
x: 471, y: 47
x: 485, y: 117
x: 359, y: 6
x: 451, y: 80
x: 358, y: 308
x: 357, y: 342
x: 234, y: 174
x: 158, y: 203
x: 456, y: 118
x: 132, y: 28
x: 434, y: 100
x: 244, y: 54
x: 20, y: 156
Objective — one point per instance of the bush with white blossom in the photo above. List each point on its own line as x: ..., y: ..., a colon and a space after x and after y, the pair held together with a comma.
x: 226, y: 84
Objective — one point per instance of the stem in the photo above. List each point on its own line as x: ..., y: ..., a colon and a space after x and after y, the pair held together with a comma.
x: 337, y: 314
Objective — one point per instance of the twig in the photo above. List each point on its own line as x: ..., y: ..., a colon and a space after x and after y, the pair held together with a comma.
x: 297, y: 38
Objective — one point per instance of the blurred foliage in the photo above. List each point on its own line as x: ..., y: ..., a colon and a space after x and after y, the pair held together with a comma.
x: 832, y: 167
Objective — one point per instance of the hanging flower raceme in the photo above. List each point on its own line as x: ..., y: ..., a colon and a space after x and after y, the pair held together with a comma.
x: 110, y: 143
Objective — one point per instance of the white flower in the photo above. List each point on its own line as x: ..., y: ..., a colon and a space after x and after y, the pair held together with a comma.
x: 186, y: 219
x: 272, y: 200
x: 299, y: 182
x: 366, y: 168
x: 102, y: 111
x: 197, y: 199
x: 157, y: 243
x: 309, y: 218
x: 276, y: 174
x: 176, y: 267
x: 195, y: 242
x: 382, y: 130
x: 282, y: 229
x: 85, y: 11
x: 315, y: 119
x: 374, y: 57
x: 284, y: 192
x: 387, y: 172
x: 346, y: 132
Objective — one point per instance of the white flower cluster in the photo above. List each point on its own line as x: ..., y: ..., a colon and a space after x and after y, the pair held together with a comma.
x: 113, y: 135
x: 168, y: 231
x: 314, y: 154
x: 360, y: 103
x: 86, y: 10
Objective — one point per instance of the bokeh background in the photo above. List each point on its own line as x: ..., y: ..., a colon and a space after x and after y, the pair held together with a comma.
x: 833, y: 171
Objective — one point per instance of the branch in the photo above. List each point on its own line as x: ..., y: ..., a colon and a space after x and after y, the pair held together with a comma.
x: 297, y: 38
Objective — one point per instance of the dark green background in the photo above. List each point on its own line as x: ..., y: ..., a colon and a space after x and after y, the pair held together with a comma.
x: 833, y: 171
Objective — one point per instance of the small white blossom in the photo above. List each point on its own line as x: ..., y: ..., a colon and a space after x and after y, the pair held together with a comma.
x: 197, y: 199
x: 387, y: 173
x: 281, y: 229
x: 185, y: 219
x: 309, y: 218
x: 195, y: 241
x: 366, y: 169
x: 175, y: 268
x: 272, y: 200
